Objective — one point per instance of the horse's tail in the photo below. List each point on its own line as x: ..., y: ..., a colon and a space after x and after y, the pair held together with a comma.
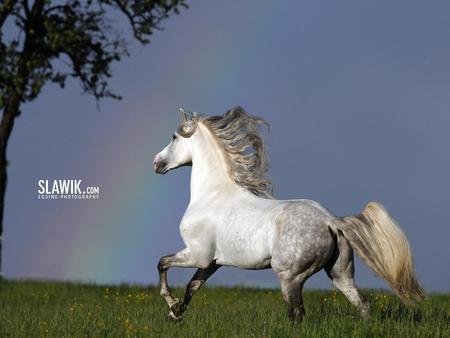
x: 381, y: 244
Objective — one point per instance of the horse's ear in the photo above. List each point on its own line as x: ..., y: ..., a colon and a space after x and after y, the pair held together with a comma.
x: 184, y: 115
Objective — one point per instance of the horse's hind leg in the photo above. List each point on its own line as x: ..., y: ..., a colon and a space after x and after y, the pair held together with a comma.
x: 341, y: 269
x: 291, y: 289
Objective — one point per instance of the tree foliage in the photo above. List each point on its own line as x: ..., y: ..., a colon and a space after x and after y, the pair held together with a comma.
x: 79, y: 33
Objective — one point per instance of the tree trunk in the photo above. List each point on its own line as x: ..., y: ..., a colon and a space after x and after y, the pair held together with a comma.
x: 14, y: 96
x: 10, y: 112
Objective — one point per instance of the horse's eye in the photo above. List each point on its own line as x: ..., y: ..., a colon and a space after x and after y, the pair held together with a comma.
x: 174, y: 136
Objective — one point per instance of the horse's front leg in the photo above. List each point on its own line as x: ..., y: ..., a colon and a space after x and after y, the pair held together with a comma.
x: 165, y: 291
x: 199, y: 278
x: 181, y: 259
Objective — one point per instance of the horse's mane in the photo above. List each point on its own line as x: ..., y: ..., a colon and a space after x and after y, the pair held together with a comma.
x: 239, y: 135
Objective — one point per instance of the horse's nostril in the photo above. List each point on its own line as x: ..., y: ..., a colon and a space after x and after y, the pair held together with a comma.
x: 159, y: 166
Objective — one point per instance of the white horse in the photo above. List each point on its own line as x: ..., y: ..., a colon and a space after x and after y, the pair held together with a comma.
x: 232, y: 220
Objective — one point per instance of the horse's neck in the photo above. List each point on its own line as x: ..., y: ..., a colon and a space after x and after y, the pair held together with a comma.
x: 209, y: 169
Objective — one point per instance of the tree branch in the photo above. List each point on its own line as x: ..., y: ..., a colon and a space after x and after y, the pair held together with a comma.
x: 131, y: 19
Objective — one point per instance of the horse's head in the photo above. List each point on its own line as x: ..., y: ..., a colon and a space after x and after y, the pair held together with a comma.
x: 178, y: 152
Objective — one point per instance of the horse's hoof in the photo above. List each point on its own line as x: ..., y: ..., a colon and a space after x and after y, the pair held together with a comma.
x: 171, y: 317
x: 296, y: 319
x: 178, y: 308
x: 364, y: 310
x: 296, y: 315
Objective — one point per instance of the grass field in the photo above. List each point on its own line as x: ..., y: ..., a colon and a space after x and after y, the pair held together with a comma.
x: 46, y: 309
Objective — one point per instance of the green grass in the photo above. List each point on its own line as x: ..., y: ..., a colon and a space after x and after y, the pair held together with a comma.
x: 47, y: 309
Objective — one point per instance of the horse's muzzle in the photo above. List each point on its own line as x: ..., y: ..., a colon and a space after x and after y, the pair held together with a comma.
x: 159, y: 166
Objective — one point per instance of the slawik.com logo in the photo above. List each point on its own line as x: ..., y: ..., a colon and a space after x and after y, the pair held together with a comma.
x: 66, y: 190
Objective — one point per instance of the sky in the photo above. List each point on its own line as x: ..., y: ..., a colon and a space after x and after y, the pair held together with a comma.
x: 358, y: 97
